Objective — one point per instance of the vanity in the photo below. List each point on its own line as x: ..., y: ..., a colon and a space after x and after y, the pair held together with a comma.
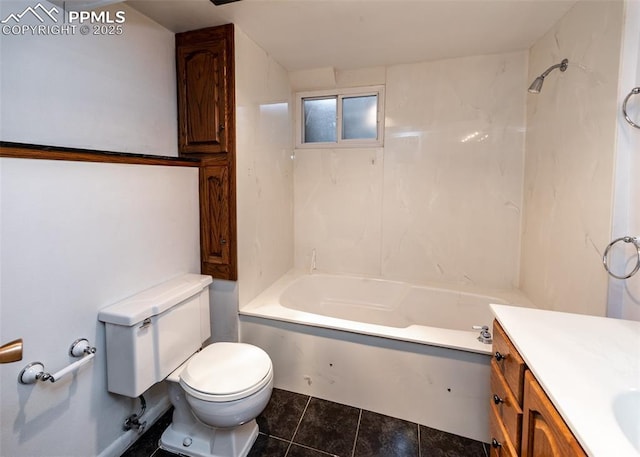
x: 564, y: 385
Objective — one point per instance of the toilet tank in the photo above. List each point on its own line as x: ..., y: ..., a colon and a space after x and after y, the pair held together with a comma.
x: 150, y: 334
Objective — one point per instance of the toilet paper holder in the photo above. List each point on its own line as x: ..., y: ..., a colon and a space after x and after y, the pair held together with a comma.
x: 35, y: 370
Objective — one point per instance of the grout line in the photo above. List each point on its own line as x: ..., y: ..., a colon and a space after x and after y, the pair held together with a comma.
x: 315, y: 450
x: 419, y: 448
x: 355, y: 441
x: 298, y: 426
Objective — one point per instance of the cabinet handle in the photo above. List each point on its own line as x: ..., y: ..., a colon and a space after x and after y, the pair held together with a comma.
x: 223, y: 241
x: 221, y: 127
x: 497, y: 400
x: 495, y: 443
x: 500, y: 357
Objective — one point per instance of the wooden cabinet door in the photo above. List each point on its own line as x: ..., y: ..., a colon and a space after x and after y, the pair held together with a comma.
x: 216, y: 215
x: 544, y: 432
x: 205, y: 72
x: 202, y: 98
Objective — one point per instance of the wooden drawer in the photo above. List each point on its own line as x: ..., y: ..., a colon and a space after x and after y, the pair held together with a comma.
x: 506, y: 406
x: 500, y: 445
x: 508, y: 361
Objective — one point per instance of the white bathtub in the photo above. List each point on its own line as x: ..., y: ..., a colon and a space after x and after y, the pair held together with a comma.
x: 398, y: 349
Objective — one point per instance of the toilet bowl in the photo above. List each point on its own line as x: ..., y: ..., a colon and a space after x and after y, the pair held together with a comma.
x: 217, y: 394
x: 216, y: 391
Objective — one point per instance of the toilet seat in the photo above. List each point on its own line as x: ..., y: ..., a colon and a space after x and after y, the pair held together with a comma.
x: 226, y: 371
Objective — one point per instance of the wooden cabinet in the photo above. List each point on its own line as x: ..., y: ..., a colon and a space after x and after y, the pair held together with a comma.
x: 507, y: 386
x: 523, y: 421
x: 544, y: 432
x: 217, y: 213
x: 206, y: 101
x: 206, y: 129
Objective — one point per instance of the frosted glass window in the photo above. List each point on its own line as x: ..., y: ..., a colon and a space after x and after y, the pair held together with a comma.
x: 320, y: 119
x: 360, y: 117
x: 340, y: 118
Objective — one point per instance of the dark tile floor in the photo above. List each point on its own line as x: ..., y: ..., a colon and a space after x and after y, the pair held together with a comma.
x: 295, y: 425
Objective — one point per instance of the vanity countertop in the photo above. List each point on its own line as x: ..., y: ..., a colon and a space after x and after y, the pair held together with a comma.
x: 590, y: 369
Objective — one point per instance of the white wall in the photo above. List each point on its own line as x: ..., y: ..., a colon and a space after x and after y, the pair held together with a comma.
x: 75, y: 237
x: 441, y: 201
x: 570, y: 154
x: 114, y: 93
x: 624, y: 295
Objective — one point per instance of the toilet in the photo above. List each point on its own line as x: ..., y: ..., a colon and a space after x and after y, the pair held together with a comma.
x: 217, y: 391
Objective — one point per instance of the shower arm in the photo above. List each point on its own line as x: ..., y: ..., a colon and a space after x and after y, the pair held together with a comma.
x: 562, y: 65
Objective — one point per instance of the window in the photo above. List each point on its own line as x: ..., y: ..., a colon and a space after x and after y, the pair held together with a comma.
x: 340, y: 118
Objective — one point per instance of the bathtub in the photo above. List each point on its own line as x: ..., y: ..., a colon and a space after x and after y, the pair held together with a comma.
x: 398, y: 349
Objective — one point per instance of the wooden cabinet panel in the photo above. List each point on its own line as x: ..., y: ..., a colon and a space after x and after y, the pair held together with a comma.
x: 544, y: 432
x: 501, y: 445
x: 206, y: 101
x: 203, y: 95
x: 509, y: 362
x: 506, y: 406
x: 215, y: 208
x: 217, y: 214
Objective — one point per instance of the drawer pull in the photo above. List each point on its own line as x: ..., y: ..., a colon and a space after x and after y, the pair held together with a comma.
x: 495, y: 443
x: 500, y: 357
x: 497, y: 400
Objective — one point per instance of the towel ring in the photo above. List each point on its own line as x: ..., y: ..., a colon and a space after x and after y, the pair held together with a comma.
x: 634, y: 91
x: 626, y: 239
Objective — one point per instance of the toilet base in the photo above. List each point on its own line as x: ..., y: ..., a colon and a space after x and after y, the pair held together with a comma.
x: 202, y: 441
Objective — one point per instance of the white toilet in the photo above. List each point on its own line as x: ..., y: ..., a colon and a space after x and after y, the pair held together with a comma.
x: 217, y: 392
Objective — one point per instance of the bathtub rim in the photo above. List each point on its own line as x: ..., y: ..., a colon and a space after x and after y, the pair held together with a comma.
x: 266, y: 305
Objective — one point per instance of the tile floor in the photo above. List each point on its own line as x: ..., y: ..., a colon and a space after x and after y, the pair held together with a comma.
x: 296, y: 425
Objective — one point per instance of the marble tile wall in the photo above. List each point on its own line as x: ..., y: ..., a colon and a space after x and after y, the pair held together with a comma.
x: 570, y: 154
x: 442, y: 200
x: 264, y: 169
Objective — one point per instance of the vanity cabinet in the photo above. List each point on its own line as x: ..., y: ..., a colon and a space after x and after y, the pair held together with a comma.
x: 523, y: 421
x: 206, y: 130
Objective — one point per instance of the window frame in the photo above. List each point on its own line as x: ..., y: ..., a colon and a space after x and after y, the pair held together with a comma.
x: 340, y: 94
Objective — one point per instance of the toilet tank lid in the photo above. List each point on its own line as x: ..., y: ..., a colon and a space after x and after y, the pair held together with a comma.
x: 153, y: 301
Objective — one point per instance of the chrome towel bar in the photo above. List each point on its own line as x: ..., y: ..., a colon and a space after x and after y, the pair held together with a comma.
x: 34, y: 372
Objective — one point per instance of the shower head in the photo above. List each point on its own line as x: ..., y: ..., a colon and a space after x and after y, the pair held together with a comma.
x: 536, y: 85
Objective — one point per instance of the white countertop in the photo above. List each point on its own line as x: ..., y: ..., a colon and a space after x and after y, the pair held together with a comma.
x: 585, y: 364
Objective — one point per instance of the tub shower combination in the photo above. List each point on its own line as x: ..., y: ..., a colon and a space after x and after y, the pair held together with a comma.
x: 394, y: 348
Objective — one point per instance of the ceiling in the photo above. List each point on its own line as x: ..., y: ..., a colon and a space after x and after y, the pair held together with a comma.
x: 349, y: 34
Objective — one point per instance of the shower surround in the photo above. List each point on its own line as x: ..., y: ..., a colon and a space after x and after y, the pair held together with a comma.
x: 441, y: 201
